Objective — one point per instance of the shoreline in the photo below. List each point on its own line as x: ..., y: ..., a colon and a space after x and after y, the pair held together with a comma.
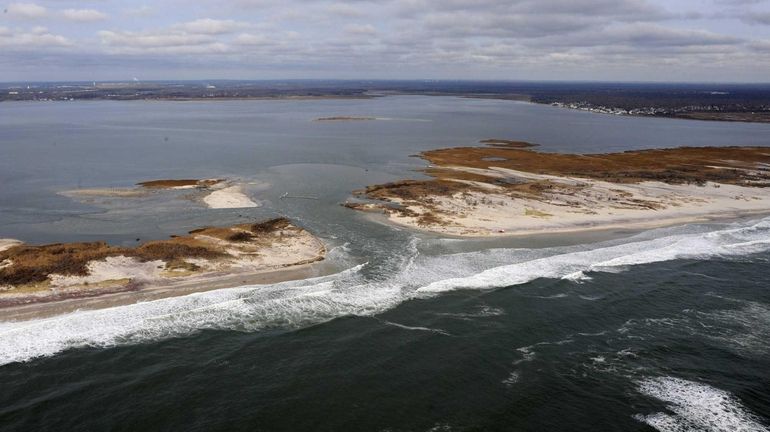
x: 54, y: 307
x: 629, y: 227
x: 712, y: 116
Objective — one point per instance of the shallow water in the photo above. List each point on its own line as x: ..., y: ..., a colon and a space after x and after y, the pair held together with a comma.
x: 666, y: 329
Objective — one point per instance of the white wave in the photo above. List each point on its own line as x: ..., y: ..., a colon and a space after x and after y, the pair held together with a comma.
x: 364, y: 290
x: 577, y: 277
x: 527, y: 354
x: 552, y: 297
x: 728, y: 242
x: 745, y: 329
x: 416, y: 328
x: 696, y: 407
x: 287, y: 305
x: 482, y: 312
x: 512, y: 378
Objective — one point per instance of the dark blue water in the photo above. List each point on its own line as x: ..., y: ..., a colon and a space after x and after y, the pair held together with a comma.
x: 662, y: 330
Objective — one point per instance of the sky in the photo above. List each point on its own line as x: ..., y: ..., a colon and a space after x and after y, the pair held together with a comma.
x: 601, y: 40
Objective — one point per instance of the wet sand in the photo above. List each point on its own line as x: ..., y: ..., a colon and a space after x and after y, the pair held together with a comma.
x: 150, y: 293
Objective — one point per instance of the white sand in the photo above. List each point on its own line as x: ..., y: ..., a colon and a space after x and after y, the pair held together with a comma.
x: 8, y: 243
x: 229, y: 197
x: 112, y: 269
x: 585, y: 205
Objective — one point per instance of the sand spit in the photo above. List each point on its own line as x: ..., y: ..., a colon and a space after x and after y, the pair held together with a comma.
x: 106, y: 192
x: 207, y: 258
x: 229, y: 197
x: 180, y: 184
x: 510, y: 190
x: 345, y: 118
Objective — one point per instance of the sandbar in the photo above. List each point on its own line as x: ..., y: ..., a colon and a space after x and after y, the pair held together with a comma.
x: 229, y: 197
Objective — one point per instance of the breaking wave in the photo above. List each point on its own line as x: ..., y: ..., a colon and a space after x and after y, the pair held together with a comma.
x: 696, y: 407
x: 364, y: 290
x: 573, y: 266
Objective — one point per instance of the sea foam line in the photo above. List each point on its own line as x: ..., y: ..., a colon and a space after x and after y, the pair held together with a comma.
x: 728, y: 242
x: 696, y: 407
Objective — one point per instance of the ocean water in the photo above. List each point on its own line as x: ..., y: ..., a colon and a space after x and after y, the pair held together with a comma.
x: 666, y: 329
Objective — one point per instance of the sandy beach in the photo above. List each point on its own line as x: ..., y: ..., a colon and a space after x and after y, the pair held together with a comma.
x: 229, y: 197
x: 479, y: 214
x: 476, y: 193
x: 171, y: 288
x: 57, y: 278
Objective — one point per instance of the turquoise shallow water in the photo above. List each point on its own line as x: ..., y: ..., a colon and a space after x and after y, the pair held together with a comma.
x: 666, y: 329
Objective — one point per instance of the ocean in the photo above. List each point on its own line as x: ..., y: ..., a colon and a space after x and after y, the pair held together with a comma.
x: 665, y: 329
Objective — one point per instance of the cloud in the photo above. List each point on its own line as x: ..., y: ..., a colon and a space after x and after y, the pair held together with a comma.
x: 652, y: 35
x: 151, y: 40
x: 143, y: 11
x: 37, y: 37
x: 26, y: 10
x: 201, y: 36
x: 247, y: 39
x: 211, y: 26
x: 360, y: 30
x: 416, y: 38
x: 762, y: 46
x: 83, y: 15
x: 761, y: 18
x: 344, y: 10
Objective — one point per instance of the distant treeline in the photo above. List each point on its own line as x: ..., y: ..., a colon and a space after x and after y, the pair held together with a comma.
x: 627, y: 96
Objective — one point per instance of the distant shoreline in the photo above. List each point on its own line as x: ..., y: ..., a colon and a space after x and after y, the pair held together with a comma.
x: 726, y: 117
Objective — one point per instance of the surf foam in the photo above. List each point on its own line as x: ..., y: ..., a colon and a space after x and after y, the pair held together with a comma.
x: 696, y: 407
x: 364, y: 290
x: 728, y: 242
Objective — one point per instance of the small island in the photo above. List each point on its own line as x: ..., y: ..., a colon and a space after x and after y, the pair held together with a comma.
x: 206, y: 258
x: 507, y: 188
x: 213, y: 193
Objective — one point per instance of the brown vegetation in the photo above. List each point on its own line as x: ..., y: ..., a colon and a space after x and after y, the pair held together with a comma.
x: 33, y: 264
x: 753, y: 117
x: 730, y: 165
x: 413, y: 189
x: 456, y: 172
x: 270, y: 225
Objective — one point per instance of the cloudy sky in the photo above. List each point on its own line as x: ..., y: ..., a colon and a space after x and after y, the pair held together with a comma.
x: 647, y: 40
